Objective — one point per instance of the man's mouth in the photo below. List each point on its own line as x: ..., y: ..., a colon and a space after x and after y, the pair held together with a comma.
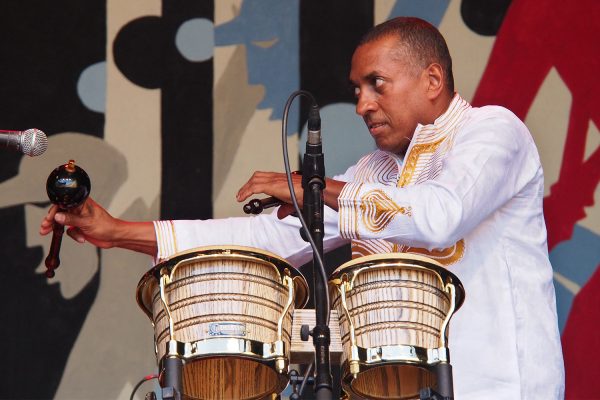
x: 374, y: 127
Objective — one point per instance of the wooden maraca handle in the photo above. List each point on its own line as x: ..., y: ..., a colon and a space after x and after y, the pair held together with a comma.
x: 53, y: 261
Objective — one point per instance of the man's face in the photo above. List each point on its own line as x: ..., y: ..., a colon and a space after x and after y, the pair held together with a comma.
x: 389, y: 93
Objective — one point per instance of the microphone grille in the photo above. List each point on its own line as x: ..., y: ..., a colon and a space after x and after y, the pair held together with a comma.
x: 34, y: 142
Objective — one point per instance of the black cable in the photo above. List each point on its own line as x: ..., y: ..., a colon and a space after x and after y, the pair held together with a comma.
x: 305, y: 379
x: 140, y: 383
x: 288, y: 173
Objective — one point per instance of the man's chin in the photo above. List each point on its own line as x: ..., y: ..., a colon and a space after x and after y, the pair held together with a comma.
x: 389, y: 148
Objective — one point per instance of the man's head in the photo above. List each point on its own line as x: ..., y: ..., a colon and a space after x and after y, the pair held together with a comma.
x: 402, y: 75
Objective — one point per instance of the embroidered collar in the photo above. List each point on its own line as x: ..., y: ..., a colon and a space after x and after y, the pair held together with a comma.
x: 444, y: 124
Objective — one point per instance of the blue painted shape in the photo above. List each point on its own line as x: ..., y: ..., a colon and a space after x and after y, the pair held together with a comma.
x: 270, y: 31
x: 195, y: 39
x: 431, y: 11
x: 345, y: 137
x: 91, y: 87
x: 577, y: 260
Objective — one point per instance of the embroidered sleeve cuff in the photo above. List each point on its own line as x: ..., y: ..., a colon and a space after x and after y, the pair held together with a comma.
x: 370, y: 211
x: 349, y: 210
x: 165, y: 239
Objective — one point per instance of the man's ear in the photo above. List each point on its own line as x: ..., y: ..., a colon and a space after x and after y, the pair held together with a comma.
x: 435, y: 80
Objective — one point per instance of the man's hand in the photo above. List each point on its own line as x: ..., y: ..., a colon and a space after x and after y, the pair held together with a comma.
x: 275, y: 184
x: 92, y: 223
x: 87, y: 223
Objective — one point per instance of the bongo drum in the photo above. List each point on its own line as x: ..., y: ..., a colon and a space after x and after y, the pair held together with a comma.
x: 394, y: 311
x: 229, y: 309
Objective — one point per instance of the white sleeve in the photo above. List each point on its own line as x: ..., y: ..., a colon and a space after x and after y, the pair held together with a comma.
x: 491, y: 160
x: 264, y: 231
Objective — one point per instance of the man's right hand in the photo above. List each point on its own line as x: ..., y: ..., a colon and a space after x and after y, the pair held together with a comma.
x: 92, y: 223
x: 87, y: 223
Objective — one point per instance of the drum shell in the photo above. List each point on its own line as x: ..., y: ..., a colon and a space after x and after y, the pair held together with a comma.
x: 219, y: 294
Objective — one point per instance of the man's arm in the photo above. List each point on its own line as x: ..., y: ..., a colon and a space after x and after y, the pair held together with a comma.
x: 92, y: 223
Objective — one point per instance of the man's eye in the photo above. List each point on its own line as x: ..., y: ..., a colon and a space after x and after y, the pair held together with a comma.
x: 356, y: 91
x: 378, y: 82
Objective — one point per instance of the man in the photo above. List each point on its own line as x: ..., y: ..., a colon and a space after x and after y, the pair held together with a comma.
x: 458, y: 184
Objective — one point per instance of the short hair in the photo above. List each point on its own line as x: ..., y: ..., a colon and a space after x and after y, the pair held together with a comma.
x: 423, y: 42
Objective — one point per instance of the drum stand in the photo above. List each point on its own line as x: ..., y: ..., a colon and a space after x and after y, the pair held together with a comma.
x: 173, y: 380
x: 443, y: 372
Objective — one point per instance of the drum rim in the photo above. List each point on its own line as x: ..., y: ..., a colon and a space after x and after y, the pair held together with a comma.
x: 280, y: 263
x: 422, y: 261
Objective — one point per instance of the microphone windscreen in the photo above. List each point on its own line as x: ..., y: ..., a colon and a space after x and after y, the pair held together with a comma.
x: 34, y: 142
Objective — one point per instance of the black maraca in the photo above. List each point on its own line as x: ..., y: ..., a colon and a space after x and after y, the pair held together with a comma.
x: 67, y: 186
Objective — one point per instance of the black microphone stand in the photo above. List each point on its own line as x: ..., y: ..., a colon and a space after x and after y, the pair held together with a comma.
x: 313, y: 184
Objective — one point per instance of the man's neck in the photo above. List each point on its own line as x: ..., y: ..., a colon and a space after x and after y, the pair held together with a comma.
x: 440, y: 106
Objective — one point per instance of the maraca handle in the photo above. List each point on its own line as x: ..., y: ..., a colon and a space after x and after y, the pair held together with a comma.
x: 53, y: 261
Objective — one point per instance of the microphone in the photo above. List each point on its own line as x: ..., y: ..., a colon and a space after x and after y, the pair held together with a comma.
x: 313, y: 171
x: 313, y: 138
x: 31, y: 142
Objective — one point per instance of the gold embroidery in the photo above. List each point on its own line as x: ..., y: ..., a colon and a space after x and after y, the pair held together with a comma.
x: 176, y: 247
x: 378, y: 210
x: 359, y: 250
x: 362, y: 248
x: 411, y: 160
x: 447, y: 256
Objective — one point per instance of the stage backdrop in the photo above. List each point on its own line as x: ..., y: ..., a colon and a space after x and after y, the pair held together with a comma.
x: 171, y: 105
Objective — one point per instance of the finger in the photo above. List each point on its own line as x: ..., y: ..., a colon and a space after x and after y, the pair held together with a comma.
x: 285, y: 210
x: 45, y: 229
x: 48, y: 221
x: 50, y: 215
x: 76, y: 234
x: 65, y: 218
x: 257, y: 183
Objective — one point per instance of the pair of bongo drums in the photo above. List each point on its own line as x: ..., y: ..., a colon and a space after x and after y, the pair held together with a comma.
x: 227, y: 312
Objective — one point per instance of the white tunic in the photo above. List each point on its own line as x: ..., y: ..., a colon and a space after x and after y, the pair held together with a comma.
x: 468, y: 194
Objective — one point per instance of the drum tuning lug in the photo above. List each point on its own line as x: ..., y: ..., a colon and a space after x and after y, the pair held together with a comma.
x: 305, y: 333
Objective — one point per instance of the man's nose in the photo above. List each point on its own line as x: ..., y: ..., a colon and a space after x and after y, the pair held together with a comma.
x: 365, y: 104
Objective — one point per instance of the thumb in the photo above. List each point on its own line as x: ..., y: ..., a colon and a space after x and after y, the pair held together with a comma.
x: 64, y: 218
x: 285, y: 210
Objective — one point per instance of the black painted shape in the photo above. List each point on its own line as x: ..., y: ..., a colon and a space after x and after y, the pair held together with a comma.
x: 39, y: 326
x: 484, y: 17
x: 145, y: 38
x: 45, y: 45
x: 329, y: 33
x: 327, y: 43
x: 146, y: 54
